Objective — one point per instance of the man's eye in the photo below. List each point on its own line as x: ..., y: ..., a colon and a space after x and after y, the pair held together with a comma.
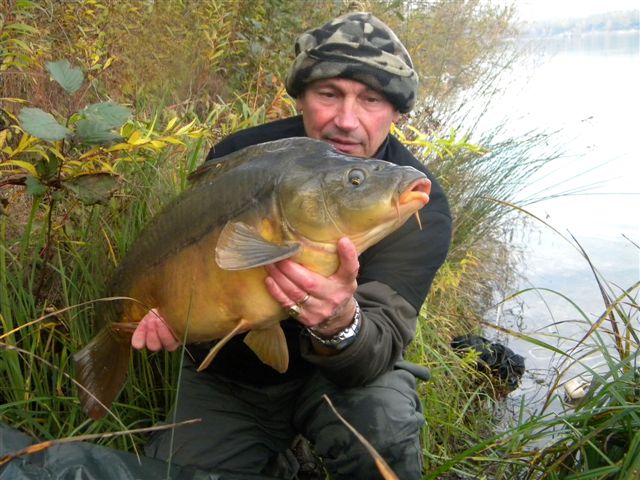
x: 372, y: 99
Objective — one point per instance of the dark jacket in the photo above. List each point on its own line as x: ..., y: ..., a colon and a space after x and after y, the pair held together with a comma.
x: 393, y: 281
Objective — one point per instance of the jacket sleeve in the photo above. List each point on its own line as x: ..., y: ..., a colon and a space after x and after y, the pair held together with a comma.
x: 388, y: 325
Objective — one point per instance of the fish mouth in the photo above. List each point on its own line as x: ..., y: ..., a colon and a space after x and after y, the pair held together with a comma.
x: 415, y: 196
x: 418, y: 191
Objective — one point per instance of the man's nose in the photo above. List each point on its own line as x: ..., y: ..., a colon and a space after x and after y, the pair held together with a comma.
x: 347, y: 116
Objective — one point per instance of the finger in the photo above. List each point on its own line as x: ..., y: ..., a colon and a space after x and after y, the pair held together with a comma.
x: 292, y: 278
x: 139, y: 335
x: 152, y: 340
x: 348, y: 256
x: 277, y: 293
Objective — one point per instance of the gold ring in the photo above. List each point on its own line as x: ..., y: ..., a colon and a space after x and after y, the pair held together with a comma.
x: 294, y: 311
x: 301, y: 302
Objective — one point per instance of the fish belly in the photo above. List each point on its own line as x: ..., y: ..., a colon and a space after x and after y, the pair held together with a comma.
x: 199, y: 300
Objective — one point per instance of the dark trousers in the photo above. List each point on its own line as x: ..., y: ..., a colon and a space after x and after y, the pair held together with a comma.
x: 245, y: 427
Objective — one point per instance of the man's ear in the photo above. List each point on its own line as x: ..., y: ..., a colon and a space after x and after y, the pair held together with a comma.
x: 396, y: 116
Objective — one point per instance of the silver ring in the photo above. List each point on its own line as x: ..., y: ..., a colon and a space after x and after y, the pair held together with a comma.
x: 294, y: 311
x: 301, y: 302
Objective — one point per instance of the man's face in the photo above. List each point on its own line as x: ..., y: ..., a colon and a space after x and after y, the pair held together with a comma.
x: 348, y: 114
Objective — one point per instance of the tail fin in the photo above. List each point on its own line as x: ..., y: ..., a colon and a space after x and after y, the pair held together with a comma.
x: 101, y: 368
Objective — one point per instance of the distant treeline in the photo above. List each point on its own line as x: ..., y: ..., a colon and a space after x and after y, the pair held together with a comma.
x: 604, y: 22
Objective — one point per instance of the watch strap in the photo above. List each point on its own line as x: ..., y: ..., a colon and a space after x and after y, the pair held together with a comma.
x: 344, y: 337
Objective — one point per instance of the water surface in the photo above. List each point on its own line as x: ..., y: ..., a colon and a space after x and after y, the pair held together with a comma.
x: 585, y: 88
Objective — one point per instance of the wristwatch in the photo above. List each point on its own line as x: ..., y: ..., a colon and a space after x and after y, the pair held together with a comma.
x: 343, y: 338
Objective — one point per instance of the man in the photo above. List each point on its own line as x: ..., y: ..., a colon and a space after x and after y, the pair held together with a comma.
x: 351, y: 79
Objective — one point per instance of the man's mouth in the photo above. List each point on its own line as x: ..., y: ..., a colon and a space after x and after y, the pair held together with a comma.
x: 345, y: 145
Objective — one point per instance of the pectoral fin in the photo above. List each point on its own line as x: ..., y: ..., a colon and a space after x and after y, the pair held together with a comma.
x: 240, y: 247
x: 270, y: 345
x: 242, y: 325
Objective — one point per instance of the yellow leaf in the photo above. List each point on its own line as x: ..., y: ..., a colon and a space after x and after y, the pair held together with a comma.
x: 171, y: 124
x: 57, y: 153
x: 24, y: 165
x: 171, y: 140
x: 196, y: 134
x: 137, y: 139
x: 15, y: 100
x: 108, y: 63
x: 120, y: 146
x: 186, y: 128
x: 158, y: 144
x: 25, y: 142
x: 418, y: 133
x: 106, y: 167
x: 134, y: 137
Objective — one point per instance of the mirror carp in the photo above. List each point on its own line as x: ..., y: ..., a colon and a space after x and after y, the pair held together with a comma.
x: 200, y: 261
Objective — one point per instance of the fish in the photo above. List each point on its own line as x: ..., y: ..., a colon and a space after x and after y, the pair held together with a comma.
x: 200, y: 261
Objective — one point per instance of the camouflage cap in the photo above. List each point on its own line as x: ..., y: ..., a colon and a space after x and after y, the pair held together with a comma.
x: 357, y: 46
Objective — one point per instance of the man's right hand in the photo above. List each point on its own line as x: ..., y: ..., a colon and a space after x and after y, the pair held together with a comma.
x: 153, y: 334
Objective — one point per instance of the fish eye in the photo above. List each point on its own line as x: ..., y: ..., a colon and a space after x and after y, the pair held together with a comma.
x: 356, y: 177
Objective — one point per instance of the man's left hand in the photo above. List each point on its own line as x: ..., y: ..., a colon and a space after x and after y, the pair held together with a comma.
x: 330, y: 305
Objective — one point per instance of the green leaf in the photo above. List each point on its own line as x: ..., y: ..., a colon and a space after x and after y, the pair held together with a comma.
x: 111, y: 114
x: 42, y: 124
x: 47, y: 168
x: 34, y: 187
x: 94, y: 132
x: 21, y: 27
x: 70, y: 78
x: 93, y: 188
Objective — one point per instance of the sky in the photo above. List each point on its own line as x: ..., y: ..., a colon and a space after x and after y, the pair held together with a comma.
x: 532, y: 10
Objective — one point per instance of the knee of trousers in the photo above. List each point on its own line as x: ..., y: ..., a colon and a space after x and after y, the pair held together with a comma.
x: 387, y: 412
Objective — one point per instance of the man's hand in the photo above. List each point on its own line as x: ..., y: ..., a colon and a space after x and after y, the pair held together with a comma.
x: 330, y: 305
x: 153, y: 334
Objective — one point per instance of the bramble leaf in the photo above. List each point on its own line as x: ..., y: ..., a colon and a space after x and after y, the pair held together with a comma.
x: 93, y: 188
x: 68, y: 77
x: 47, y: 168
x: 42, y: 124
x: 111, y: 114
x: 34, y: 187
x: 92, y: 131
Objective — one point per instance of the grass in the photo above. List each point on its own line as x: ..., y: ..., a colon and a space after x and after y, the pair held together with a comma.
x: 37, y: 394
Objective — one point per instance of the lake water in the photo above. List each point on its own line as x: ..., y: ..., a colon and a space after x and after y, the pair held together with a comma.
x: 586, y: 88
